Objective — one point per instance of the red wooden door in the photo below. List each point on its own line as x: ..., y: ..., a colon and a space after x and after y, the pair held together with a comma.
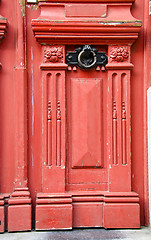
x: 85, y: 117
x: 75, y: 156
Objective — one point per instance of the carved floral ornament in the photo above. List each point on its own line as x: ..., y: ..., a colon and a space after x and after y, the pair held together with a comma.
x: 53, y: 54
x: 119, y: 54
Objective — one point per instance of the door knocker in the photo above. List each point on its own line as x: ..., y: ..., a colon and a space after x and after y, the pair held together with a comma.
x: 86, y: 57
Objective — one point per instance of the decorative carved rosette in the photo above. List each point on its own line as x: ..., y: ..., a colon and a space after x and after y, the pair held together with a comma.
x: 53, y: 54
x: 119, y: 54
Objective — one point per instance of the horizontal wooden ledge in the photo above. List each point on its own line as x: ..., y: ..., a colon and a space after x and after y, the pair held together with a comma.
x: 134, y: 36
x: 86, y: 31
x: 4, y: 195
x: 54, y: 195
x: 119, y: 65
x: 19, y: 201
x: 102, y: 36
x: 85, y: 197
x: 88, y: 199
x: 21, y: 189
x: 86, y: 193
x: 99, y: 40
x: 40, y: 22
x: 121, y: 200
x: 88, y: 1
x: 1, y: 202
x: 21, y: 194
x: 54, y: 201
x: 53, y: 66
x: 3, y: 21
x: 1, y: 196
x: 74, y: 32
x: 3, y: 26
x: 119, y: 194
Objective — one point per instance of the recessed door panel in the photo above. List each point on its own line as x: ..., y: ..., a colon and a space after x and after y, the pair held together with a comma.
x: 86, y: 111
x: 85, y: 136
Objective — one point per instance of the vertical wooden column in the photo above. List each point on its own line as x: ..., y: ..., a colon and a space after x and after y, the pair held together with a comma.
x: 57, y: 202
x: 119, y: 67
x: 19, y: 210
x: 3, y: 27
x: 119, y: 143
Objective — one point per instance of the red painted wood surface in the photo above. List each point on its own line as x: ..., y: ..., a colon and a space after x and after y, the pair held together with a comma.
x: 73, y: 142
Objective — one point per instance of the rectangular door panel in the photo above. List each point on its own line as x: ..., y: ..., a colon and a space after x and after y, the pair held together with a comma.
x: 85, y: 136
x: 86, y: 113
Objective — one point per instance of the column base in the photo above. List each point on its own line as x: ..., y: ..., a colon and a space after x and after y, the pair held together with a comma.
x: 19, y: 211
x: 121, y: 210
x: 2, y: 216
x: 53, y: 211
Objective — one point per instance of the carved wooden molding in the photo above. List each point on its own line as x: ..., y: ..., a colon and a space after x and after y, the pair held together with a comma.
x: 118, y: 66
x: 90, y: 1
x: 119, y: 54
x: 3, y: 27
x: 57, y: 25
x: 53, y: 54
x: 53, y: 58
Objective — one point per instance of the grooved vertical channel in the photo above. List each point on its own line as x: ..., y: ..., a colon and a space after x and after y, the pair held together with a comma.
x: 124, y: 92
x: 58, y: 104
x: 49, y: 121
x: 114, y: 109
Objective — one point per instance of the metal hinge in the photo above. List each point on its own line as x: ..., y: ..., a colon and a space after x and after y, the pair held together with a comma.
x: 150, y: 7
